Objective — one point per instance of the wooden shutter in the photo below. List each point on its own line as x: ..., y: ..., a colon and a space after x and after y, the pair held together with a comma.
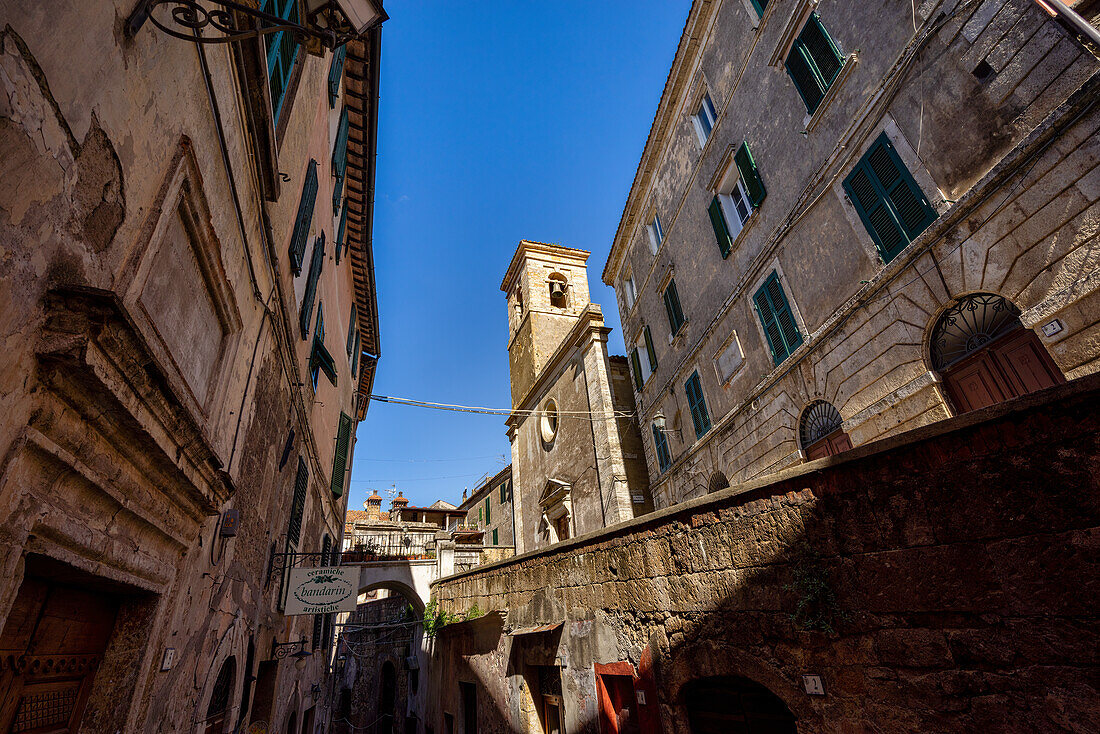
x: 488, y: 519
x: 822, y: 51
x: 777, y: 319
x: 298, y: 506
x: 750, y: 176
x: 303, y: 219
x: 699, y: 416
x: 672, y: 306
x: 649, y: 349
x: 316, y: 260
x: 798, y: 67
x: 340, y: 458
x: 351, y: 331
x: 336, y: 75
x: 760, y: 5
x: 341, y: 231
x: 320, y: 359
x: 496, y: 539
x: 355, y: 356
x: 636, y: 368
x: 721, y: 229
x: 660, y: 443
x: 340, y: 160
x: 891, y: 205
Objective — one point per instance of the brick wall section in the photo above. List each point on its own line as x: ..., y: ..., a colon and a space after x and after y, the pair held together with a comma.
x: 963, y: 559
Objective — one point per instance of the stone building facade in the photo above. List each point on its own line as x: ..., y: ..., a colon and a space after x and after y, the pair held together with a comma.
x: 189, y: 331
x: 940, y: 580
x: 490, y: 509
x: 570, y: 427
x: 849, y: 222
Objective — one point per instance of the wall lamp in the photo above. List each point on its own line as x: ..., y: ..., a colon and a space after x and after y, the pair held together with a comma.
x: 320, y: 23
x: 659, y: 422
x: 281, y: 650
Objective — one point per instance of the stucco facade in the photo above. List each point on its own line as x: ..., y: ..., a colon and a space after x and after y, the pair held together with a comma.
x: 489, y: 508
x: 170, y: 433
x: 571, y: 405
x: 816, y: 321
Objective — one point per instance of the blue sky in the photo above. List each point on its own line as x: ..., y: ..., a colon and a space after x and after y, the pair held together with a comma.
x: 498, y: 121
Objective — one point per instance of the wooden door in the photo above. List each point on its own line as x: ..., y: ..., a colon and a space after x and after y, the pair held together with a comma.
x: 1014, y: 365
x: 56, y: 635
x: 830, y: 445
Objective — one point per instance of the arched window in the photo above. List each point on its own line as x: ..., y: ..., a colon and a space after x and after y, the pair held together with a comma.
x: 219, y: 696
x: 821, y: 432
x: 557, y: 290
x: 986, y: 356
x: 718, y: 482
x: 724, y: 704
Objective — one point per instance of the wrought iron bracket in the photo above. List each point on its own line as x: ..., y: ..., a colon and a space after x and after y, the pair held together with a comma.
x: 281, y: 562
x: 188, y: 20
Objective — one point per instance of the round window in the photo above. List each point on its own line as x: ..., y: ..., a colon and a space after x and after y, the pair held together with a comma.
x: 548, y: 423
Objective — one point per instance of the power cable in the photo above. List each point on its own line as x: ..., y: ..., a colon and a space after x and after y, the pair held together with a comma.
x: 598, y: 415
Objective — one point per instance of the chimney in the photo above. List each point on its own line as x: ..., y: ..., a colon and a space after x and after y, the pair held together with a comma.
x: 399, y: 503
x: 374, y: 506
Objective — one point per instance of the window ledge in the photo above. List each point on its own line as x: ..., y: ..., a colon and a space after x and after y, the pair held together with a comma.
x: 742, y: 234
x: 679, y: 335
x: 811, y: 121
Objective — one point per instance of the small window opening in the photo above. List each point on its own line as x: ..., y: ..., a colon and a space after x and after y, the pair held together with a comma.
x: 983, y: 71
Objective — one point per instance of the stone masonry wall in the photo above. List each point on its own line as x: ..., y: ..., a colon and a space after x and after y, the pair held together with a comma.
x: 955, y: 570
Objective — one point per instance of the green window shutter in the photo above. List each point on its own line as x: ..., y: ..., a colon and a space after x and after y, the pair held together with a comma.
x: 660, y: 443
x: 672, y: 307
x: 341, y: 231
x: 282, y: 52
x: 496, y: 539
x: 891, y: 205
x: 340, y: 160
x: 298, y: 506
x: 340, y: 458
x: 777, y: 319
x: 336, y: 75
x: 760, y: 5
x: 649, y: 349
x: 355, y: 355
x: 700, y: 418
x: 636, y: 368
x: 721, y: 229
x: 798, y: 67
x: 321, y: 361
x: 488, y: 519
x: 503, y: 493
x: 822, y: 51
x: 479, y: 520
x: 303, y: 219
x: 750, y: 176
x: 316, y: 260
x: 351, y: 332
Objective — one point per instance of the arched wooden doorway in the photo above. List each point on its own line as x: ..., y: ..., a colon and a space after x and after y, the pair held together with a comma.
x: 218, y: 707
x: 821, y: 431
x: 986, y: 356
x: 725, y: 704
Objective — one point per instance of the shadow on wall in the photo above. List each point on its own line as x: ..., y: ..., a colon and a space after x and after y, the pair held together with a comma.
x: 937, y: 581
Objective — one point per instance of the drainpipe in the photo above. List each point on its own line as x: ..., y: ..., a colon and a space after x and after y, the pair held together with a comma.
x: 1059, y: 9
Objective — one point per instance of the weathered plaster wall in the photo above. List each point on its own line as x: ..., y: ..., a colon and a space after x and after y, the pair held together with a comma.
x: 959, y: 563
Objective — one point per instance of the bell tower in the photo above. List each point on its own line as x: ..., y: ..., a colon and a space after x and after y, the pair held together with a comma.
x: 547, y: 291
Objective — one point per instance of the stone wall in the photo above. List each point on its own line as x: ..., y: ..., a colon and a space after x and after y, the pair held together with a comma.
x: 940, y: 580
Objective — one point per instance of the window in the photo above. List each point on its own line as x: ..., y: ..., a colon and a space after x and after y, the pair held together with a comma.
x: 316, y: 260
x: 488, y: 514
x: 777, y: 319
x: 646, y: 365
x: 630, y: 292
x: 480, y: 517
x: 353, y: 336
x: 303, y: 219
x: 814, y: 63
x: 760, y: 6
x: 700, y: 418
x: 548, y: 422
x: 282, y: 51
x: 740, y: 193
x: 672, y: 307
x: 319, y: 357
x: 336, y: 75
x: 888, y: 200
x: 703, y: 119
x: 340, y: 160
x: 660, y: 442
x: 340, y: 458
x: 496, y: 540
x: 655, y: 233
x: 503, y: 492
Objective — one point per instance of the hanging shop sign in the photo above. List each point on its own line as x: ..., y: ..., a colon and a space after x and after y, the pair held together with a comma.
x: 322, y: 590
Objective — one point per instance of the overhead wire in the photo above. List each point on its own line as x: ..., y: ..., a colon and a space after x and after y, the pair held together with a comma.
x: 584, y: 414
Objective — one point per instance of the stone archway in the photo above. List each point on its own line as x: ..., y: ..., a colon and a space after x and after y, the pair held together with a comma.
x: 720, y: 704
x: 718, y: 482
